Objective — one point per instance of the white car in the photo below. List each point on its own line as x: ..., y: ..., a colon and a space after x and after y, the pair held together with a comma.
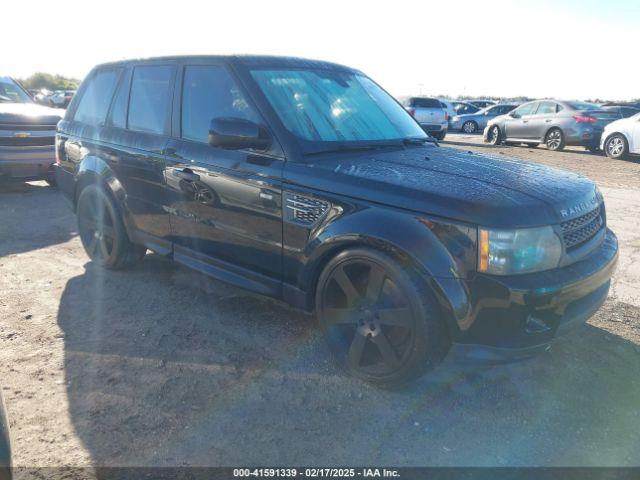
x: 621, y: 138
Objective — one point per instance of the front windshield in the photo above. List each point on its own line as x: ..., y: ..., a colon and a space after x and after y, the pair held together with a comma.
x: 335, y: 106
x: 12, y: 93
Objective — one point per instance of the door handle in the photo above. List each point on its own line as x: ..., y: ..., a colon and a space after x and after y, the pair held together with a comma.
x: 548, y: 120
x: 525, y: 121
x: 187, y: 174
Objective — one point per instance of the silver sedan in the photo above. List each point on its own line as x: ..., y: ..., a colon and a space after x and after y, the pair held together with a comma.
x: 475, y: 122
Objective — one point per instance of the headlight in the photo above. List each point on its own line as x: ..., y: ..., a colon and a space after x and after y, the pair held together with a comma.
x: 526, y: 250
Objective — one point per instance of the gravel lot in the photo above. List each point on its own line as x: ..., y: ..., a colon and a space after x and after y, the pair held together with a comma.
x: 161, y: 366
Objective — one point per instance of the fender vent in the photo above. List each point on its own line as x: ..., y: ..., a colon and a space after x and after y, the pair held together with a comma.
x: 304, y: 210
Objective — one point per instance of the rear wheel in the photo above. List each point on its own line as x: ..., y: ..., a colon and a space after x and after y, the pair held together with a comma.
x: 380, y: 322
x: 616, y: 147
x: 102, y: 232
x: 495, y: 136
x: 470, y: 127
x: 554, y: 139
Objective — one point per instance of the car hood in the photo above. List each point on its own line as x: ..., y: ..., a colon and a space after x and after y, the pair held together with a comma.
x: 28, y: 113
x: 489, y: 190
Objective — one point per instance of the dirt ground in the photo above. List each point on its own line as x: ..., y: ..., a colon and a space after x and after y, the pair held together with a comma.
x: 160, y: 366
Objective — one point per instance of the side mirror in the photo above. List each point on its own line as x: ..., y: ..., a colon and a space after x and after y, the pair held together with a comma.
x: 513, y: 114
x: 237, y: 133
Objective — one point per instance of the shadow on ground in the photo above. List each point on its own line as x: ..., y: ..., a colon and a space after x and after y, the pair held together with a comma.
x: 20, y: 204
x: 166, y: 367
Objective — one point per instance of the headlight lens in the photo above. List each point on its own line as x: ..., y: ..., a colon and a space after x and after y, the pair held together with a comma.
x: 510, y: 252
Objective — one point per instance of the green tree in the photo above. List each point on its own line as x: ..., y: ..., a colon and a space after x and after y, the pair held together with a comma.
x: 52, y: 82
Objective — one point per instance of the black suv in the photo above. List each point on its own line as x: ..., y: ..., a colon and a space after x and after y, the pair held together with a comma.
x: 305, y: 181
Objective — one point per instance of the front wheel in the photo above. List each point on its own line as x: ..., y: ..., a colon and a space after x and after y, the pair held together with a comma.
x: 470, y: 127
x: 554, y: 140
x: 616, y: 147
x: 379, y: 320
x: 495, y: 136
x: 102, y: 232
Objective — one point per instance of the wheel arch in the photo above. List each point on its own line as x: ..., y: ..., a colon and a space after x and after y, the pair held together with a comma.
x: 408, y: 241
x: 93, y: 170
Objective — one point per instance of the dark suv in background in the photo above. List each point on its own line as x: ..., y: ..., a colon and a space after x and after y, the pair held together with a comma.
x: 305, y: 181
x: 27, y: 135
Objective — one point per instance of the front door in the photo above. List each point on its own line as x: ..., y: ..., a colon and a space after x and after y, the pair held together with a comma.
x: 518, y: 124
x: 225, y: 205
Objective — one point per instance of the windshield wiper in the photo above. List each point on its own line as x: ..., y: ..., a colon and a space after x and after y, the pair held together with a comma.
x: 419, y: 140
x: 355, y: 148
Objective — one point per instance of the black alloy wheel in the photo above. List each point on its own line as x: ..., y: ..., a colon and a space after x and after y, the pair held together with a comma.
x: 376, y: 321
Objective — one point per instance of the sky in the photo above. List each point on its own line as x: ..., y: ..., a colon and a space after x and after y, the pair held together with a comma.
x: 565, y: 49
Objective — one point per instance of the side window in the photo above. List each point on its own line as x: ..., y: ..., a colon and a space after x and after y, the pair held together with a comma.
x: 527, y: 109
x: 96, y: 98
x: 209, y: 91
x: 546, y: 108
x: 119, y: 108
x: 150, y: 99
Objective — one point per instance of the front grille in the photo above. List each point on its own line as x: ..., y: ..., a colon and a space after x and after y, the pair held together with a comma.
x: 580, y: 230
x: 304, y: 210
x: 27, y: 141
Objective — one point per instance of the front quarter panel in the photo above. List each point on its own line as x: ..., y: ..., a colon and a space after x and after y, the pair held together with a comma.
x: 443, y: 253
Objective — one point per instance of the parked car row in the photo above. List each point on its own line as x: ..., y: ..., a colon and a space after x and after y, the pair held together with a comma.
x: 55, y: 99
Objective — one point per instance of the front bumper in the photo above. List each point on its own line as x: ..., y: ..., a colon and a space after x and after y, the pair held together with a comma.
x: 519, y: 315
x: 26, y: 162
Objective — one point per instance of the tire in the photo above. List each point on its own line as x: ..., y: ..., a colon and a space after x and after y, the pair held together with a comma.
x: 616, y: 147
x: 469, y: 127
x: 495, y: 135
x: 102, y: 232
x: 554, y: 140
x: 439, y: 136
x: 380, y: 321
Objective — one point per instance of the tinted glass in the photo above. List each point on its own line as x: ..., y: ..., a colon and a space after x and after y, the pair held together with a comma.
x: 464, y: 108
x: 583, y: 106
x: 119, y: 109
x: 10, y: 92
x: 628, y: 111
x: 96, y: 98
x: 546, y: 108
x: 150, y: 98
x: 334, y: 105
x: 209, y: 92
x: 425, y: 103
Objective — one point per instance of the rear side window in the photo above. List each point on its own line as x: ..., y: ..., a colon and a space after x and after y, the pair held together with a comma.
x: 547, y: 108
x: 425, y: 103
x: 150, y: 99
x: 209, y: 91
x: 96, y: 98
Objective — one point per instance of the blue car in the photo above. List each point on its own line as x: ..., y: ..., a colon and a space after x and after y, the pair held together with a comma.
x: 475, y: 122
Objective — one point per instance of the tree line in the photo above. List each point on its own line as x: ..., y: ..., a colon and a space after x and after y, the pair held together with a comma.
x: 49, y: 81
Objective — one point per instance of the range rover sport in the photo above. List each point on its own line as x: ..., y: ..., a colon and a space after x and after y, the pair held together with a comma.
x: 305, y: 181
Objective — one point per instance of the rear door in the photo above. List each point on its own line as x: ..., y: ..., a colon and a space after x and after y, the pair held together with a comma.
x: 543, y: 118
x: 226, y: 205
x: 138, y: 132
